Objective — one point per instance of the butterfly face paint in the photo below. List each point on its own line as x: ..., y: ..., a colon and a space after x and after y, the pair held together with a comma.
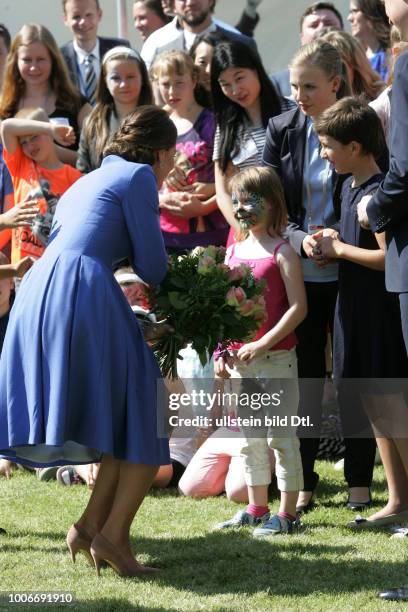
x: 248, y: 208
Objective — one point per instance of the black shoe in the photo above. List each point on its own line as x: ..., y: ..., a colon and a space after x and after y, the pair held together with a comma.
x: 355, y: 505
x: 398, y: 594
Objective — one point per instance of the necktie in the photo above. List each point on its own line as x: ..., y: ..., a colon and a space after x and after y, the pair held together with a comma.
x: 90, y: 79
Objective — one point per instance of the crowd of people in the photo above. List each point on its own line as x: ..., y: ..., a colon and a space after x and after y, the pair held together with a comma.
x: 302, y: 175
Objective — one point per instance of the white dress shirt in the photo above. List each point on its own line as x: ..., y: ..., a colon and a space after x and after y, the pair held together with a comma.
x: 173, y: 37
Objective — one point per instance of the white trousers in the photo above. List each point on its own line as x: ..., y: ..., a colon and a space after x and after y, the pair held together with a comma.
x: 280, y: 365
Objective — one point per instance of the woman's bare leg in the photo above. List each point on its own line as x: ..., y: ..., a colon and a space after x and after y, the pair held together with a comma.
x: 102, y: 497
x: 388, y: 414
x: 402, y: 447
x: 396, y: 476
x: 163, y: 476
x: 133, y: 483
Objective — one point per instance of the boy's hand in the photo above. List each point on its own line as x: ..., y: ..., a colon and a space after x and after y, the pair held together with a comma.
x: 23, y: 266
x: 327, y: 231
x: 63, y: 134
x: 362, y: 211
x: 21, y: 215
x: 309, y: 244
x: 329, y: 247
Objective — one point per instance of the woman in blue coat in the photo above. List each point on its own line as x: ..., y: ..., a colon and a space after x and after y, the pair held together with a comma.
x: 77, y: 379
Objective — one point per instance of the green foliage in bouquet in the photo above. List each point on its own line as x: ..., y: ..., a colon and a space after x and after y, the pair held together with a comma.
x: 207, y: 304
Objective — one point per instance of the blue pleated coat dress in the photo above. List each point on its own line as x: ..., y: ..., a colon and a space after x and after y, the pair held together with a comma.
x: 77, y: 378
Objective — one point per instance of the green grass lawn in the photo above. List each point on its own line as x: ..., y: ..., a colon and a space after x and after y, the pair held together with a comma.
x: 327, y: 567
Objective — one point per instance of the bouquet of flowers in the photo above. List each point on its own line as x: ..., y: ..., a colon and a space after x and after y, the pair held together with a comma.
x: 207, y: 304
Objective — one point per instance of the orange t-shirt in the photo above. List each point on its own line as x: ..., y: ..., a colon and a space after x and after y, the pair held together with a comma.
x: 5, y: 235
x: 33, y: 182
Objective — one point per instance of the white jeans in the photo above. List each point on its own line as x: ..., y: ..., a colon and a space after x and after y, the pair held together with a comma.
x: 275, y: 365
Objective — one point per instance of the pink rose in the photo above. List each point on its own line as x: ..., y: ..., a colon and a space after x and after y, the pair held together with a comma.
x: 205, y: 264
x: 235, y: 296
x: 246, y: 308
x: 230, y: 297
x: 240, y: 294
x: 237, y: 274
x: 224, y: 267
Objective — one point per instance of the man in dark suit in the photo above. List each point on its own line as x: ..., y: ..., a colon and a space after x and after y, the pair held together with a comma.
x: 314, y: 18
x: 387, y: 210
x: 84, y: 53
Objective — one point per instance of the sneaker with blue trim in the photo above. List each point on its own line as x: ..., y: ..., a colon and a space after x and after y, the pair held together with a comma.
x: 277, y: 525
x: 243, y: 519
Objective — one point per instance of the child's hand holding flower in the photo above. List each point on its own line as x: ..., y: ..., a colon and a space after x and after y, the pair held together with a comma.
x: 220, y: 367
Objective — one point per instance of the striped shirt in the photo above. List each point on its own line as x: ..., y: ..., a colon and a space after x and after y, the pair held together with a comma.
x: 251, y: 142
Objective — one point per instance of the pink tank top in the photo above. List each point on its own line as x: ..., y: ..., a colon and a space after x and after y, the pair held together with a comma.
x: 276, y: 300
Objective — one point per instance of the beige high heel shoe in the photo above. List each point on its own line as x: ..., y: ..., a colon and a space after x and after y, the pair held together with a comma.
x: 103, y: 550
x: 79, y: 540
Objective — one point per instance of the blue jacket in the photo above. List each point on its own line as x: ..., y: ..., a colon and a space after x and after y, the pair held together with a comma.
x: 388, y: 208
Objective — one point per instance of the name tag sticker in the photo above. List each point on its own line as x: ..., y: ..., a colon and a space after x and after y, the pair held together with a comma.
x: 248, y: 150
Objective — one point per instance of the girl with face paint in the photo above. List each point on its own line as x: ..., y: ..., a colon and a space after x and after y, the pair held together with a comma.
x: 258, y: 207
